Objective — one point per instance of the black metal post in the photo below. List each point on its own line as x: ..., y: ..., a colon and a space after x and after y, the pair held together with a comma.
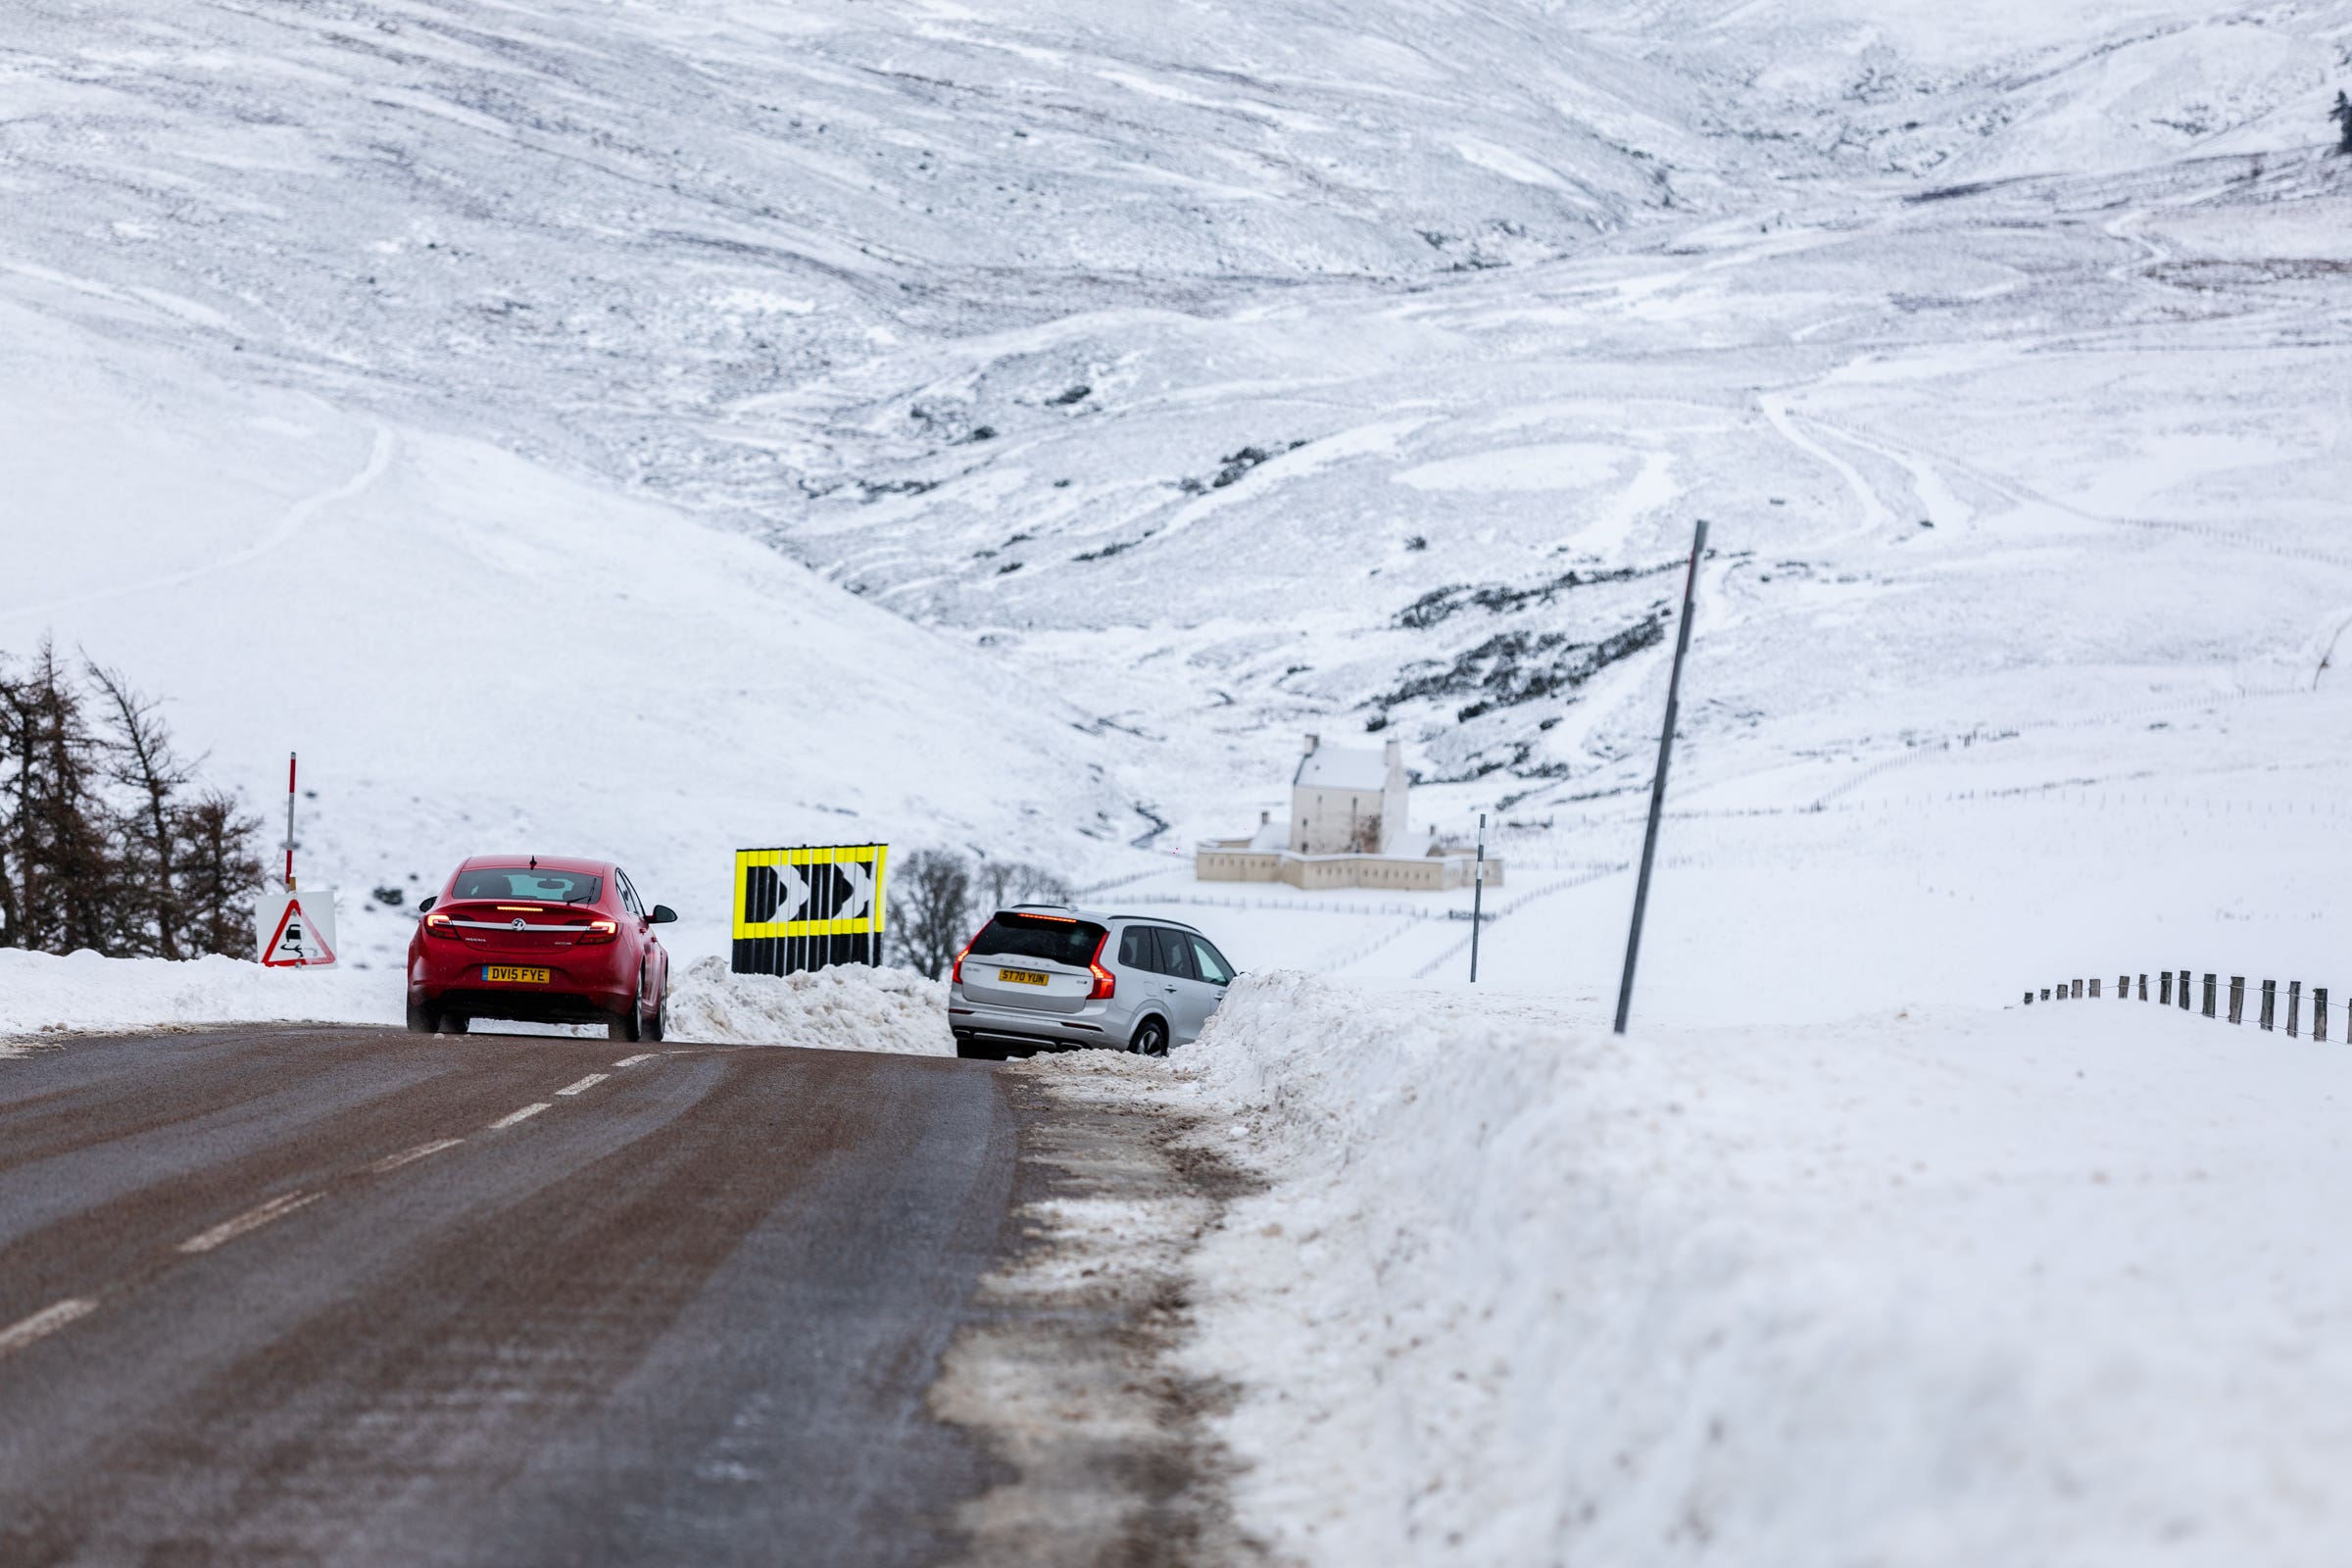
x: 1658, y: 786
x: 1478, y: 895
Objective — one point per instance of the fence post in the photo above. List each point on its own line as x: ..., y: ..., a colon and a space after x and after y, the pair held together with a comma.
x: 2078, y: 988
x: 2294, y: 1008
x: 2184, y: 991
x: 2237, y: 999
x: 2211, y: 986
x: 2319, y: 1012
x: 2046, y: 992
x: 1478, y: 895
x: 2122, y: 986
x: 2094, y: 988
x: 2144, y: 988
x: 2166, y: 998
x: 2269, y: 1003
x: 2028, y: 998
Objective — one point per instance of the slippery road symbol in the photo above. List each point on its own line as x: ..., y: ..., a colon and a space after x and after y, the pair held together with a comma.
x: 296, y: 943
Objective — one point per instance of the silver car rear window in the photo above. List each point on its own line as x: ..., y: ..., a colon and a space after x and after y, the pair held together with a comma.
x: 1056, y: 939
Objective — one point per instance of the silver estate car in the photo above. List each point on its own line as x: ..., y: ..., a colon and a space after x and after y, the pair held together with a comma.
x: 1048, y: 977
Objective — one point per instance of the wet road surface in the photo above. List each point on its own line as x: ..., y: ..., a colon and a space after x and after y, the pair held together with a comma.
x: 351, y: 1296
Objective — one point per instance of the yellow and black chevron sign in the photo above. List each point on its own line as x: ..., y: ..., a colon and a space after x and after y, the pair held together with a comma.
x: 810, y: 907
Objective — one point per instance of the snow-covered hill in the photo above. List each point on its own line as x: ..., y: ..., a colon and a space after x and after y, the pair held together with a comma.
x: 1169, y: 381
x: 473, y: 652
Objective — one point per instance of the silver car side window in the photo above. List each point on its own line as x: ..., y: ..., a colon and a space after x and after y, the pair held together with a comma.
x: 1213, y: 967
x: 1175, y: 955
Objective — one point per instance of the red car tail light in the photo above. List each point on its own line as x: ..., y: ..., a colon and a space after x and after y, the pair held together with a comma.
x: 600, y: 931
x: 1107, y: 984
x: 956, y: 976
x: 437, y: 925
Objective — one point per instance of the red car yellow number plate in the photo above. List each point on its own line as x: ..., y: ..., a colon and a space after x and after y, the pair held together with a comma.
x: 509, y: 974
x: 1021, y: 977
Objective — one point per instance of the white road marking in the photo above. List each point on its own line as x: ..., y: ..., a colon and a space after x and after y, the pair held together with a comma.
x: 524, y: 1114
x: 632, y: 1061
x: 585, y: 1085
x: 47, y: 1321
x: 252, y: 1219
x: 392, y: 1162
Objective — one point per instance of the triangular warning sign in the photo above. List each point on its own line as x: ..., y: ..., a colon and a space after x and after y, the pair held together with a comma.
x: 296, y: 943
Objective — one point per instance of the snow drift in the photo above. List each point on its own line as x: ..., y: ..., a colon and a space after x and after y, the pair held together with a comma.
x: 83, y: 992
x: 848, y: 1009
x: 1971, y: 1287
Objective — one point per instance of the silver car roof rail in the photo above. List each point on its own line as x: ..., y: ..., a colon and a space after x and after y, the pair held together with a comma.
x: 1083, y: 915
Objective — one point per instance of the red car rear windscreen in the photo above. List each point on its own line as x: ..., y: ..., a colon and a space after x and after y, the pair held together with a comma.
x: 517, y: 882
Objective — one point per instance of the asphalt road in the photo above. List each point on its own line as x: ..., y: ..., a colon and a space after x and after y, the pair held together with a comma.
x: 317, y: 1295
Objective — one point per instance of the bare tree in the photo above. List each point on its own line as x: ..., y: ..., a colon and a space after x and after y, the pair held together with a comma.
x: 142, y: 763
x: 994, y: 882
x: 930, y: 910
x: 2341, y: 113
x: 65, y: 895
x: 219, y: 869
x: 98, y: 846
x: 1006, y: 882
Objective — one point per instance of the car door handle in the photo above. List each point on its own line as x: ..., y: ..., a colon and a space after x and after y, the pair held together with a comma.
x: 1171, y: 990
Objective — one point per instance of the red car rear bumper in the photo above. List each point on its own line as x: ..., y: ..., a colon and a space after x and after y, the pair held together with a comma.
x: 581, y: 983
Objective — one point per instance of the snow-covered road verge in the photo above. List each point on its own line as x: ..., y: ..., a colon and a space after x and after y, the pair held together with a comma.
x: 2051, y: 1286
x: 852, y: 1009
x: 847, y: 1008
x: 83, y: 992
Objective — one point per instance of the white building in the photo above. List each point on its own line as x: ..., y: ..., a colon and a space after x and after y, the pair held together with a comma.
x: 1346, y: 800
x: 1349, y: 813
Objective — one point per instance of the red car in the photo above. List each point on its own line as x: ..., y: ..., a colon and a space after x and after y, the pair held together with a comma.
x: 539, y: 938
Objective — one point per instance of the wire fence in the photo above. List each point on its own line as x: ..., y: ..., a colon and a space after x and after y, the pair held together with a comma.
x: 1120, y: 881
x: 1209, y: 900
x: 1455, y: 949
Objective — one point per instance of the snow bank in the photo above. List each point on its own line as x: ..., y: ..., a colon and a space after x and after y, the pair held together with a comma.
x: 2051, y: 1285
x: 852, y: 1009
x: 83, y: 992
x: 849, y: 1009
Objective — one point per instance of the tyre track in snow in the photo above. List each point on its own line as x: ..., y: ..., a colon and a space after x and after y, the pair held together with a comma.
x: 382, y: 448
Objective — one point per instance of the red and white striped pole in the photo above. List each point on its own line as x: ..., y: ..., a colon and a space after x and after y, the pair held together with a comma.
x: 290, y: 759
